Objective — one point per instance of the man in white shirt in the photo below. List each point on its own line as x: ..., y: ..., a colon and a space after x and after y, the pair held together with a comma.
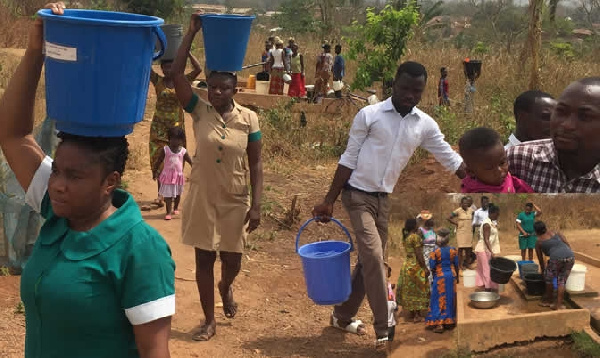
x: 382, y: 139
x: 532, y: 111
x: 479, y: 216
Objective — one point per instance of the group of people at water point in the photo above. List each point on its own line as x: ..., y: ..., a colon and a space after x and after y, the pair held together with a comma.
x: 280, y: 61
x: 100, y: 281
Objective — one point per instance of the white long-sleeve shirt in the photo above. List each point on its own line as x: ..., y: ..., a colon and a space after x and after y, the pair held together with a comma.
x: 382, y: 141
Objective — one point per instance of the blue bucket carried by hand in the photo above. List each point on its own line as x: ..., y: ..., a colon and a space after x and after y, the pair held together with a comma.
x: 326, y: 266
x: 98, y: 69
x: 225, y: 41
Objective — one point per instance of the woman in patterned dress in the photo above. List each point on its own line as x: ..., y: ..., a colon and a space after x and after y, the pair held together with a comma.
x: 168, y: 111
x: 413, y: 286
x: 427, y: 233
x: 444, y: 269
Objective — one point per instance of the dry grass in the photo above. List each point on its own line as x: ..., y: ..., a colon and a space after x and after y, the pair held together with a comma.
x: 138, y: 156
x: 9, y: 60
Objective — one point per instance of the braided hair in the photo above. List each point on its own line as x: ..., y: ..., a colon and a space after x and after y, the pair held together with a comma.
x: 110, y: 152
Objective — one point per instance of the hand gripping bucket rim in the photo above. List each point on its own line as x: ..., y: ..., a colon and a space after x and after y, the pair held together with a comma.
x: 326, y: 272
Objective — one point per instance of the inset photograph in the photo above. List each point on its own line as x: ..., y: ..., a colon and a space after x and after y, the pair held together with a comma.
x: 493, y: 269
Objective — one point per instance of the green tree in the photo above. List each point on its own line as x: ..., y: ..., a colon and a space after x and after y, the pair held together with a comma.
x: 297, y: 16
x: 161, y: 8
x: 379, y: 44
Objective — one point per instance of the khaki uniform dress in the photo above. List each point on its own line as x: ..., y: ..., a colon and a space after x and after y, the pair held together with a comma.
x: 464, y: 233
x: 219, y: 199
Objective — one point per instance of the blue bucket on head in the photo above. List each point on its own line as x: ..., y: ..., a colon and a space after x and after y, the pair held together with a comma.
x: 98, y: 69
x: 326, y: 266
x: 225, y: 41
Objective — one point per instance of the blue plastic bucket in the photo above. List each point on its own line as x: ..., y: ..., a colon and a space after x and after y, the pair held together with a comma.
x: 98, y: 69
x: 326, y: 266
x: 225, y: 41
x: 520, y: 264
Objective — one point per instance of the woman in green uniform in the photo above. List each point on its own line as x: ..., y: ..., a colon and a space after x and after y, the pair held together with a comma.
x: 219, y: 211
x: 100, y: 281
x: 527, y: 237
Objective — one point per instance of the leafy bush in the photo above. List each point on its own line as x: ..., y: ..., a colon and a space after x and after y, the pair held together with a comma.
x: 379, y: 44
x: 563, y: 49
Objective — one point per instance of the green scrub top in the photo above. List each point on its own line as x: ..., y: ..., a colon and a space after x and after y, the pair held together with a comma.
x: 526, y: 221
x: 84, y: 291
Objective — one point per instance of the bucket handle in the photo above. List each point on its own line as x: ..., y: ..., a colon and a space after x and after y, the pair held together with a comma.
x: 163, y: 42
x: 333, y: 220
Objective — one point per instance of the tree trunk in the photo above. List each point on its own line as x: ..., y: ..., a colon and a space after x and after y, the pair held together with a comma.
x: 533, y: 43
x: 535, y: 27
x: 553, y: 7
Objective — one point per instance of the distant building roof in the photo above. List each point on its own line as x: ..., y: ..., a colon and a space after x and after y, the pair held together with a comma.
x: 583, y: 32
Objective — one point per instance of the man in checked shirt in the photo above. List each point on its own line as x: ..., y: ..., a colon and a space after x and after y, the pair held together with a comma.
x: 568, y: 162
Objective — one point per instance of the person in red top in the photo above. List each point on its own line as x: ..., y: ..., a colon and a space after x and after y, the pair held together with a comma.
x: 443, y: 88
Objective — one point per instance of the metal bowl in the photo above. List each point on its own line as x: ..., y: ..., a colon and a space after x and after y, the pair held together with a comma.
x: 484, y: 299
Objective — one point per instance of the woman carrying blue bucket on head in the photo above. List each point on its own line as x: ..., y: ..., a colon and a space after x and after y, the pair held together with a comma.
x: 100, y: 282
x: 168, y: 111
x: 219, y: 210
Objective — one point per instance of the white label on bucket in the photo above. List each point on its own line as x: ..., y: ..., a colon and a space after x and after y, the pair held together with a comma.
x: 60, y: 52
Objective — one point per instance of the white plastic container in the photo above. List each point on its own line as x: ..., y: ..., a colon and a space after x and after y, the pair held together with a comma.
x: 515, y: 258
x: 576, y: 280
x: 469, y: 278
x: 262, y: 87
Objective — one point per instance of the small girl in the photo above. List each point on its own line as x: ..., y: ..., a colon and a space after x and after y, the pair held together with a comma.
x: 171, y: 178
x: 487, y: 165
x: 392, y: 306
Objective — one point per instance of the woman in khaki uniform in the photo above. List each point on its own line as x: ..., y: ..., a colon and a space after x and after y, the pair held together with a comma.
x: 219, y: 211
x: 462, y: 219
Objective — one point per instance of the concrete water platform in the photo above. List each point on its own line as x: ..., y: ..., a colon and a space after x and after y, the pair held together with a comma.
x: 513, y: 320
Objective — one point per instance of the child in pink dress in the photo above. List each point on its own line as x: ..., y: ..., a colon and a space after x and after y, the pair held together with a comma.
x: 171, y: 178
x: 487, y: 164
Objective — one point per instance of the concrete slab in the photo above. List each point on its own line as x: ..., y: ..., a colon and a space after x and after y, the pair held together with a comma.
x: 513, y: 320
x: 580, y: 256
x: 254, y: 101
x: 590, y: 303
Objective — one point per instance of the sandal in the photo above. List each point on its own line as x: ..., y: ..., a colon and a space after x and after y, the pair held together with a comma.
x: 438, y: 329
x: 158, y: 203
x: 356, y: 326
x: 544, y: 304
x: 229, y: 305
x: 381, y: 342
x: 206, y: 332
x: 175, y: 212
x: 168, y: 217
